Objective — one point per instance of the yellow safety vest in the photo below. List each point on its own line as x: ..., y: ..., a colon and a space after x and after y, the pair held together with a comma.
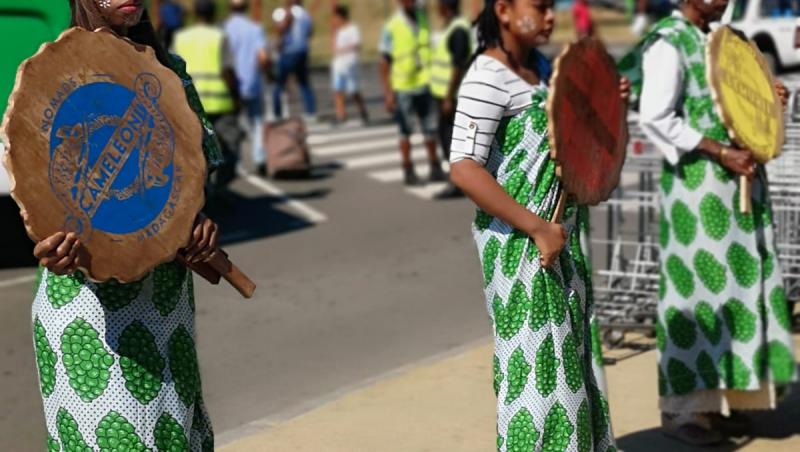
x: 442, y: 66
x: 411, y: 54
x: 201, y: 47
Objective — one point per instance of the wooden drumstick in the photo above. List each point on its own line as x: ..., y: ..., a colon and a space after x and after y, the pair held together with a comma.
x: 202, y: 269
x: 561, y: 204
x: 221, y: 264
x: 745, y: 195
x: 217, y: 267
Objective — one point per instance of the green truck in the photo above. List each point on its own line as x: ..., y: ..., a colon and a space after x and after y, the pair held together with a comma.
x: 24, y: 26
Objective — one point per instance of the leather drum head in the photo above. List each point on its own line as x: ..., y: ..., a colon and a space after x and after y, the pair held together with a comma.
x: 744, y: 93
x: 587, y: 121
x: 102, y: 142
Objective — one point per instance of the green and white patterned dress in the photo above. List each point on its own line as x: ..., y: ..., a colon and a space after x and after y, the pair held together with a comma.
x: 548, y: 374
x: 723, y: 326
x: 117, y: 362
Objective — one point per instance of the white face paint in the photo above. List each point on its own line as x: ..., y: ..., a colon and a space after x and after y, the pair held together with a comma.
x: 104, y: 4
x: 527, y: 25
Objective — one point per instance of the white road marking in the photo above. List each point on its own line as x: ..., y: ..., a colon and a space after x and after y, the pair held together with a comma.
x: 428, y: 191
x: 348, y: 135
x: 307, y: 212
x: 372, y: 160
x: 396, y: 174
x: 354, y: 148
x: 17, y: 281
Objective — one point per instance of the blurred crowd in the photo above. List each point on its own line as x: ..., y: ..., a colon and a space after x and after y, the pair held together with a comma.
x: 232, y: 62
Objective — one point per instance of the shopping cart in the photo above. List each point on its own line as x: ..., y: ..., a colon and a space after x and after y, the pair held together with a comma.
x: 626, y: 280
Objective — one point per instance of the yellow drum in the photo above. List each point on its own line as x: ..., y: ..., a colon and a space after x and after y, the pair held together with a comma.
x: 744, y: 94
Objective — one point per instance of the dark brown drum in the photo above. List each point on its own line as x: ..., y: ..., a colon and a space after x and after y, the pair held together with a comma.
x: 587, y: 122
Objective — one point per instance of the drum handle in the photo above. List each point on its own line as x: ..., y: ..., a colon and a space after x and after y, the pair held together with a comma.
x: 558, y: 213
x: 221, y: 264
x: 218, y: 266
x: 745, y: 195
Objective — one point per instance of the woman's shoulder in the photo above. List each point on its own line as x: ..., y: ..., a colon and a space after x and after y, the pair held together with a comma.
x: 489, y: 72
x: 488, y: 68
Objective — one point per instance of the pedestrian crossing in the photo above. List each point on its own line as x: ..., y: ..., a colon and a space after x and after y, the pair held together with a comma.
x: 373, y: 151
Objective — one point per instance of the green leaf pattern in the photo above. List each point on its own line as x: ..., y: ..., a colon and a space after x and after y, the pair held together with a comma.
x: 723, y: 320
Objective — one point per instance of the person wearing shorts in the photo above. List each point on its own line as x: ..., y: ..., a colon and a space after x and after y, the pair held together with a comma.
x: 405, y: 73
x: 344, y: 70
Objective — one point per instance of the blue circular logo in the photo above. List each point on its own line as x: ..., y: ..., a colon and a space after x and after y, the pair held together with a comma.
x: 111, y: 156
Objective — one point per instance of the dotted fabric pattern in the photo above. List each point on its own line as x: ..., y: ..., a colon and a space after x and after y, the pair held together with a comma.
x: 548, y: 373
x: 117, y: 364
x: 723, y: 312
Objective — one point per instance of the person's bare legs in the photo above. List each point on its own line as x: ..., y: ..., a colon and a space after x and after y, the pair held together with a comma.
x: 409, y: 174
x: 338, y: 102
x: 436, y: 172
x: 405, y: 152
x: 430, y: 146
x: 362, y: 107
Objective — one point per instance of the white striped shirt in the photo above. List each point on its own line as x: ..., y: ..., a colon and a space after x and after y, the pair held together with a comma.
x: 489, y: 92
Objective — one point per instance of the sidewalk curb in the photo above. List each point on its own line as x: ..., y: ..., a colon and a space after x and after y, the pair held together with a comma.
x: 298, y: 411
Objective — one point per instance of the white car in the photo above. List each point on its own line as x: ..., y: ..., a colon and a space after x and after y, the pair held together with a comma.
x: 773, y: 25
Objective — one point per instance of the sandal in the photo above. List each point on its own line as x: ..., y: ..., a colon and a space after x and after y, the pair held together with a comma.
x: 692, y: 429
x: 737, y: 423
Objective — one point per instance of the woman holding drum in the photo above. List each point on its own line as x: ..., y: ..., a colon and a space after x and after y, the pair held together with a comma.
x: 117, y: 362
x: 547, y: 367
x: 723, y: 328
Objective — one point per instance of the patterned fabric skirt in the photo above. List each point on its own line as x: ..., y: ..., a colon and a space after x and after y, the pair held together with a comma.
x: 548, y: 374
x: 117, y: 363
x: 723, y: 319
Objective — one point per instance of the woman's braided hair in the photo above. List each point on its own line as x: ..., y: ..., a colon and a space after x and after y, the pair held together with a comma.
x: 488, y: 25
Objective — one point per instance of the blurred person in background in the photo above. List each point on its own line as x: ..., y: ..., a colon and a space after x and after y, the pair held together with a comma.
x: 295, y: 28
x: 345, y: 70
x: 249, y: 46
x: 451, y: 57
x: 171, y: 16
x: 582, y: 19
x: 210, y: 63
x: 639, y: 20
x: 405, y: 47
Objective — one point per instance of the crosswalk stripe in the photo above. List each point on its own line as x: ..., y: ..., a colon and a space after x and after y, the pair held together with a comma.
x: 428, y: 191
x: 351, y: 134
x: 372, y: 145
x: 307, y: 212
x: 396, y: 174
x: 371, y: 160
x: 319, y: 128
x: 17, y: 281
x: 370, y: 148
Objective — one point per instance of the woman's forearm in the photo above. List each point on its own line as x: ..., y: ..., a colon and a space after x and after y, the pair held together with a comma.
x: 710, y: 147
x: 484, y: 190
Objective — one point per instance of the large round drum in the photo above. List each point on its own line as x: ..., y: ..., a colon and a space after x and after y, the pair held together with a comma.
x: 588, y: 126
x: 102, y: 142
x: 744, y: 94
